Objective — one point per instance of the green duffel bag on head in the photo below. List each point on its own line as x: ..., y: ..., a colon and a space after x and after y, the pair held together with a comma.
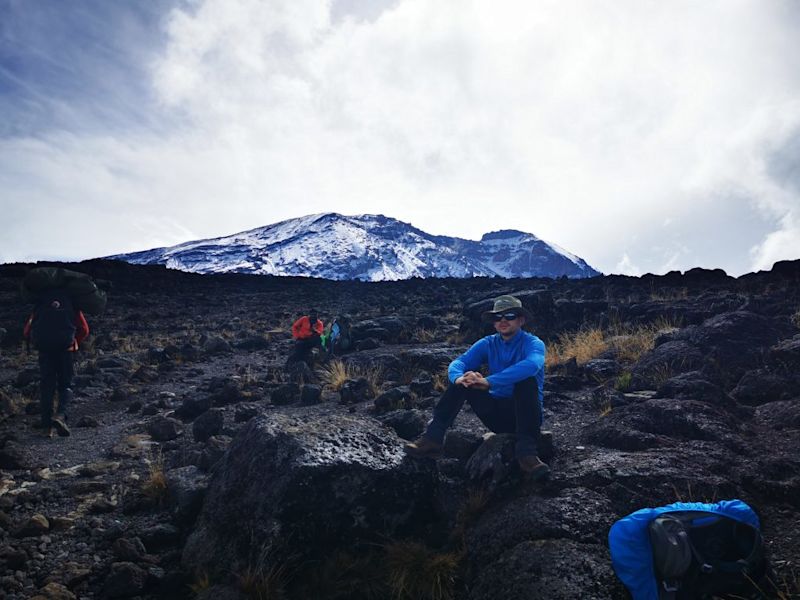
x: 83, y: 292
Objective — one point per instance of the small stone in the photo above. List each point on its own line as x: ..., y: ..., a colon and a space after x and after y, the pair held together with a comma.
x: 36, y: 525
x: 56, y: 591
x: 126, y: 580
x: 163, y: 429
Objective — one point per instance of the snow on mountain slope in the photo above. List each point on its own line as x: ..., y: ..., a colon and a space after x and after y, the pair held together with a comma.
x: 366, y: 247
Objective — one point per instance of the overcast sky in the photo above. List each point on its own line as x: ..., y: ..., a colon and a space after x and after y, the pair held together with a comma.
x: 641, y: 135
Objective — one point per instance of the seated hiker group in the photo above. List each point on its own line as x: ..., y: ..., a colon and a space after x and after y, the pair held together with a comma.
x: 310, y: 335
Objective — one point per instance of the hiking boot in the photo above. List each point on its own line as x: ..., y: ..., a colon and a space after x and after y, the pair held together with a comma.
x: 424, y: 448
x: 60, y: 426
x: 533, y: 467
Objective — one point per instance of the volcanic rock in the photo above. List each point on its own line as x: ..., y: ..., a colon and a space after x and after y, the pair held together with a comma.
x: 163, y: 429
x: 304, y: 488
x: 208, y: 424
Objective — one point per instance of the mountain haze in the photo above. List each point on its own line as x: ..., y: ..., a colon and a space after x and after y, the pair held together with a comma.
x: 367, y: 248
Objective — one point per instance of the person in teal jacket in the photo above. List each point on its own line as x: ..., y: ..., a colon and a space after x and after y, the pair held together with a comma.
x: 508, y: 400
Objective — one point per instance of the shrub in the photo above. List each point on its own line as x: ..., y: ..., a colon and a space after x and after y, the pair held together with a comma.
x: 417, y: 573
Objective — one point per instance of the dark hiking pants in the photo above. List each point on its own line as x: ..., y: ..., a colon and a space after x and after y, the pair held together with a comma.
x: 302, y: 351
x: 520, y: 414
x: 56, y: 373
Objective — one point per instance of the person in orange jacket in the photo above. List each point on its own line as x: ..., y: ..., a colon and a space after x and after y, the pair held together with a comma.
x: 56, y: 330
x: 306, y: 332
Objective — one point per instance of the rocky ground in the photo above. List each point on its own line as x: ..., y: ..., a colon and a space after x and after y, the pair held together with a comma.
x: 197, y: 467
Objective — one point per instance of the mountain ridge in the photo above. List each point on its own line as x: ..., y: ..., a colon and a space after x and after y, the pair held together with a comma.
x: 367, y: 248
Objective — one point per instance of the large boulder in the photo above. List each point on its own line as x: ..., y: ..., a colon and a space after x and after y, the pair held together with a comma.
x: 761, y: 386
x: 578, y: 513
x: 733, y: 342
x: 187, y: 487
x: 298, y: 488
x: 694, y: 386
x: 552, y: 568
x: 664, y: 362
x: 385, y: 329
x: 785, y: 356
x: 663, y: 422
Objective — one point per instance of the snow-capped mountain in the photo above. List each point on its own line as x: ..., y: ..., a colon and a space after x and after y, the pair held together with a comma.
x: 368, y: 248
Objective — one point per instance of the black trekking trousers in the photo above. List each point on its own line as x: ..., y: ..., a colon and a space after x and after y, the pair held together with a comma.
x: 303, y: 351
x: 520, y: 414
x: 56, y: 372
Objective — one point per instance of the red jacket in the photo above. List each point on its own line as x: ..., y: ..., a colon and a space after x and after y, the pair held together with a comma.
x: 81, y: 330
x: 301, y: 330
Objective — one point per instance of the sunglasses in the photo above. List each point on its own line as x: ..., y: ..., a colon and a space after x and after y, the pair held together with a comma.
x: 509, y: 316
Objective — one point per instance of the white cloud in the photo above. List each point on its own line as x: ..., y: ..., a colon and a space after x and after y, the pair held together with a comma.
x: 625, y: 266
x: 589, y: 124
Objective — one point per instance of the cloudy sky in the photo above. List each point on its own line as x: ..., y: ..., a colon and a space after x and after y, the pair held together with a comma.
x: 642, y: 135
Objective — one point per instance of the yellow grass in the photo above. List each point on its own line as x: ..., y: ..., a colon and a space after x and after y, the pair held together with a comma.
x: 440, y: 381
x: 155, y: 486
x: 583, y: 345
x: 629, y: 342
x: 335, y: 373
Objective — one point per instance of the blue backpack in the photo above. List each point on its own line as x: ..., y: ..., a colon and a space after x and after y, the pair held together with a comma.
x: 689, y: 550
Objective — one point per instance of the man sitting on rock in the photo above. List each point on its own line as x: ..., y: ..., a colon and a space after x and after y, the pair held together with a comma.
x: 306, y: 331
x: 509, y: 400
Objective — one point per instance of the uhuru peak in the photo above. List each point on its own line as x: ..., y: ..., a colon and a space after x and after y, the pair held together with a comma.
x: 367, y: 248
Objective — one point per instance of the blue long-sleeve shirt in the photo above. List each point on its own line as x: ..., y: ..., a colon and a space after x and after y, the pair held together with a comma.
x: 509, y: 362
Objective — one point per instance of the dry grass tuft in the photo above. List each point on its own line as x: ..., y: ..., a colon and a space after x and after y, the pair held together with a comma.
x: 456, y: 338
x: 661, y: 374
x: 265, y: 583
x: 155, y: 486
x: 786, y: 588
x: 474, y: 505
x: 628, y: 342
x: 440, y: 382
x: 424, y: 336
x: 606, y: 408
x: 670, y: 294
x: 417, y: 573
x: 200, y: 584
x: 335, y: 373
x: 583, y: 345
